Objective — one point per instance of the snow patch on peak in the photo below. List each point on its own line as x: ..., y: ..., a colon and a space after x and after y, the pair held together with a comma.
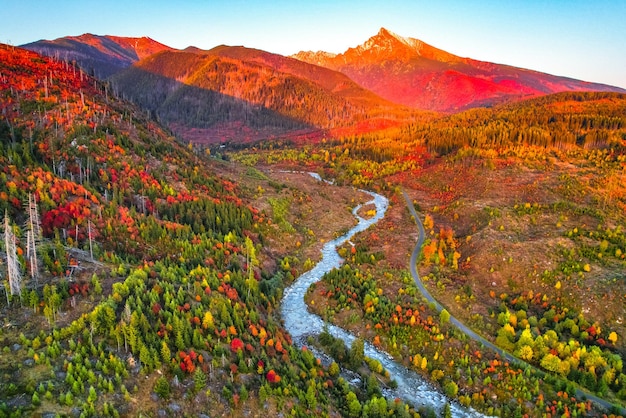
x: 415, y: 44
x: 312, y: 57
x: 318, y: 53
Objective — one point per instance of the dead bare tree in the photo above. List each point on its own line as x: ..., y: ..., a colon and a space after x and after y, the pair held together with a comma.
x: 14, y: 273
x: 33, y: 237
x: 90, y: 239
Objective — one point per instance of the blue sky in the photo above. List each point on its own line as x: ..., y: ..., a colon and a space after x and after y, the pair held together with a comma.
x: 575, y: 38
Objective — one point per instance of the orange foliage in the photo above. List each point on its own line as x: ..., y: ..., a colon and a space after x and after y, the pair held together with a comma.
x: 272, y: 377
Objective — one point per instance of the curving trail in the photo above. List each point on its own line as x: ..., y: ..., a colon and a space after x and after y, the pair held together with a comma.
x: 301, y: 323
x: 581, y: 394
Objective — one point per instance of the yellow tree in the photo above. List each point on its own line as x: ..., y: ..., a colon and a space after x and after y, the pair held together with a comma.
x: 252, y: 262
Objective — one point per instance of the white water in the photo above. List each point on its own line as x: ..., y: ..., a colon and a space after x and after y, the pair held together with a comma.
x: 301, y: 323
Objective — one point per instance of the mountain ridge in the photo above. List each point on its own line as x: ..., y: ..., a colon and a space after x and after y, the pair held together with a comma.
x: 413, y: 73
x: 385, y: 69
x: 102, y: 55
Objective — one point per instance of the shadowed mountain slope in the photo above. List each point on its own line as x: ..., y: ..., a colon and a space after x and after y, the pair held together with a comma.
x: 238, y: 87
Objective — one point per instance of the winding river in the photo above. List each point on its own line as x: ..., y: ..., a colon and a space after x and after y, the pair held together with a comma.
x: 301, y: 323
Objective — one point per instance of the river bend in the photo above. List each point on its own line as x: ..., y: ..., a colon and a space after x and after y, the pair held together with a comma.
x: 300, y: 323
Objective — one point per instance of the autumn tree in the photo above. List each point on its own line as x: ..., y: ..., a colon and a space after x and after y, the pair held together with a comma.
x: 450, y: 388
x: 444, y: 316
x: 251, y: 262
x: 333, y: 369
x: 354, y: 406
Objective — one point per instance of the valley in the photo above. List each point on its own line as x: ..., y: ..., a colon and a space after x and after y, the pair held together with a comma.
x: 166, y: 251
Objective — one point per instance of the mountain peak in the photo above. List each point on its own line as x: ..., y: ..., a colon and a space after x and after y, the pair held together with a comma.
x: 387, y: 45
x: 383, y: 43
x: 415, y: 45
x: 386, y: 33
